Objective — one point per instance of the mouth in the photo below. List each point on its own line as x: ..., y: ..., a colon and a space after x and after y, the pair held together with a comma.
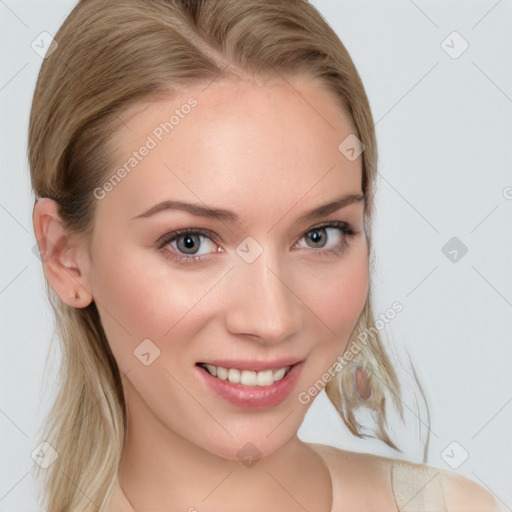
x: 257, y: 385
x: 244, y: 377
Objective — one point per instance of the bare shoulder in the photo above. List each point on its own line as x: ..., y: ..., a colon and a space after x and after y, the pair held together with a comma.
x: 360, y: 481
x: 353, y: 461
x: 465, y: 495
x: 431, y: 489
x: 406, y: 486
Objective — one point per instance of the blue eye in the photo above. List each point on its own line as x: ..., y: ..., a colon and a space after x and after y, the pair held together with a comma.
x: 186, y: 242
x: 189, y: 243
x: 329, y: 239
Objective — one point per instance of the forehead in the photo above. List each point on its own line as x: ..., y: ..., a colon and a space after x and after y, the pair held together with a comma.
x: 273, y: 141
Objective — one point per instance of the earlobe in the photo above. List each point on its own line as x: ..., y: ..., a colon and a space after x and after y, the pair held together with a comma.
x: 61, y: 255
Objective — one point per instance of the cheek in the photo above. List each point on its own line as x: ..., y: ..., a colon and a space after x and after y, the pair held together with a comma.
x: 337, y: 302
x: 139, y: 300
x: 349, y: 296
x: 342, y: 295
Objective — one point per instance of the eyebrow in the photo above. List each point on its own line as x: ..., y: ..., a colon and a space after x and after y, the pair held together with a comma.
x: 229, y: 216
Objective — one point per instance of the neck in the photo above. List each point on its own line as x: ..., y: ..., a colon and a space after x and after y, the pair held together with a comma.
x: 161, y: 470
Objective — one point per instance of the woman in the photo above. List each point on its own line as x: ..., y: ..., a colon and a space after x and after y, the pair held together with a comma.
x: 203, y: 174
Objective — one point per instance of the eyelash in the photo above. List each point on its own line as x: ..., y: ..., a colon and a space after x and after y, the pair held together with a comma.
x: 174, y: 235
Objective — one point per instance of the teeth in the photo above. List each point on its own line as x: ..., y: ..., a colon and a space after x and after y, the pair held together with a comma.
x: 221, y: 373
x: 279, y: 374
x: 248, y: 377
x: 234, y: 375
x: 212, y: 369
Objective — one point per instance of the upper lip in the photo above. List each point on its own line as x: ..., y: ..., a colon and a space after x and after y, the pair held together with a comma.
x: 256, y: 365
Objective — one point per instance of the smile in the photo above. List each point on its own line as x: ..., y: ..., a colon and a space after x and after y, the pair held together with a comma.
x: 247, y: 377
x: 251, y: 389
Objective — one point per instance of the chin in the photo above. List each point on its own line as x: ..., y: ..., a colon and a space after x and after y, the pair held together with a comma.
x: 252, y: 445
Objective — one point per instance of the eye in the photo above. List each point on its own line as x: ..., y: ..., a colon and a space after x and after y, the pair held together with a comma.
x: 192, y: 244
x: 329, y: 238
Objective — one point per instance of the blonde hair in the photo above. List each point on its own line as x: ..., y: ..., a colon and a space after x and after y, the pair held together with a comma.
x: 112, y: 55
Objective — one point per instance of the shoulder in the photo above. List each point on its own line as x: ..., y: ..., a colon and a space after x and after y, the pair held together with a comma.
x: 360, y: 481
x: 351, y: 462
x: 407, y: 486
x: 464, y: 495
x: 438, y: 489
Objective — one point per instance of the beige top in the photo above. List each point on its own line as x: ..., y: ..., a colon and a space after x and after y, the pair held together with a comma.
x: 417, y: 488
x: 384, y: 485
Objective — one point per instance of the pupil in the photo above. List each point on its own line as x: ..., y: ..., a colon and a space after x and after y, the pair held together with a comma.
x: 317, y: 235
x: 187, y: 242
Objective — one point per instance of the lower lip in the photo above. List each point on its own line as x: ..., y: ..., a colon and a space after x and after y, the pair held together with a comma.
x: 253, y: 397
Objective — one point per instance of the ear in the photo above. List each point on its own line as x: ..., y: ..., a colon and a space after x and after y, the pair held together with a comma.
x: 63, y: 255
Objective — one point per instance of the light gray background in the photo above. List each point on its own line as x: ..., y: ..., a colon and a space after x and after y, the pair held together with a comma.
x: 444, y: 131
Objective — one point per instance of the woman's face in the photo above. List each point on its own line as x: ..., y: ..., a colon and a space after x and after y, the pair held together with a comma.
x: 259, y: 283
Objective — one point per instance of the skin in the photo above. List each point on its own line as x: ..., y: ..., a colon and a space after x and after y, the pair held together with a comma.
x: 269, y: 153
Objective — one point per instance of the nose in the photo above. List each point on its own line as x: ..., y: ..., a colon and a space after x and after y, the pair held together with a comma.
x: 262, y: 302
